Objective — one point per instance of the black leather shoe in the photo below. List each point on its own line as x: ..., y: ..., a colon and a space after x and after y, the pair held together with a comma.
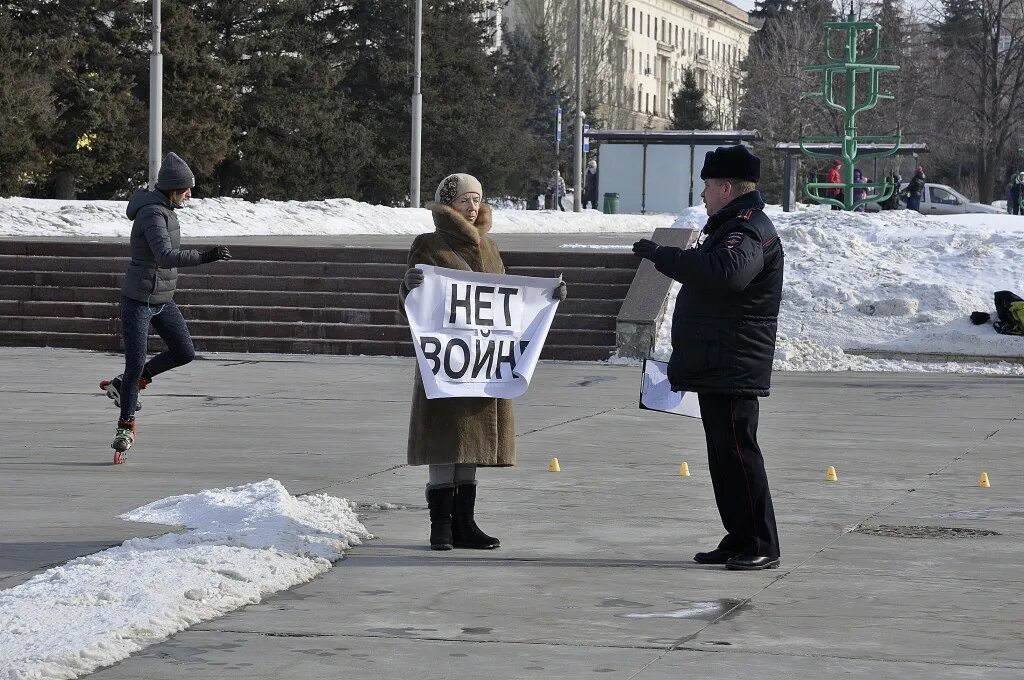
x: 752, y: 562
x: 716, y: 556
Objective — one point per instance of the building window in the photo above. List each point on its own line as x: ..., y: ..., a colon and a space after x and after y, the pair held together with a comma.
x: 641, y: 22
x: 634, y: 19
x: 647, y: 103
x: 632, y: 60
x: 648, y: 24
x: 639, y: 98
x: 655, y: 105
x: 602, y: 10
x: 664, y: 36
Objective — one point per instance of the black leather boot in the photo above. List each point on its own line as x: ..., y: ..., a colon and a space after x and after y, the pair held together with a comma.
x: 440, y: 501
x: 464, y: 529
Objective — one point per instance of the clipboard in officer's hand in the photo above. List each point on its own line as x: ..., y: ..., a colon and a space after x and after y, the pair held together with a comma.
x: 656, y: 392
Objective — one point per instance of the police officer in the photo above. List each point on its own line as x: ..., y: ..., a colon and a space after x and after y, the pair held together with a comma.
x: 723, y: 343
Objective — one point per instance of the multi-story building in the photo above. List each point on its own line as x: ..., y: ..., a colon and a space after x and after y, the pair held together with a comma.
x: 636, y: 53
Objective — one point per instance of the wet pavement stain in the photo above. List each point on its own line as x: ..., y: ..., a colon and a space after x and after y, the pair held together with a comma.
x: 476, y: 631
x: 701, y: 610
x: 982, y: 513
x: 594, y: 379
x: 615, y: 602
x: 401, y: 632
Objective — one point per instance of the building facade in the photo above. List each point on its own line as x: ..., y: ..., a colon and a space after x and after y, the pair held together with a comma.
x: 636, y: 53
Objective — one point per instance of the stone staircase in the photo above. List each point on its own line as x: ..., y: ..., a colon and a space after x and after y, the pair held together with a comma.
x: 294, y: 299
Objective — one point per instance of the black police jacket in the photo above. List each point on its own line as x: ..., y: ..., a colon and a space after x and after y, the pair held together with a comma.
x: 726, y: 315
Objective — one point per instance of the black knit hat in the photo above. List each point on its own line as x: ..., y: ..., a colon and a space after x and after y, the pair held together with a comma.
x: 731, y: 162
x: 174, y: 174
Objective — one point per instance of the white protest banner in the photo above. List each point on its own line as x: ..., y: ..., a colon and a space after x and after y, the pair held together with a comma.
x: 478, y: 335
x: 656, y: 392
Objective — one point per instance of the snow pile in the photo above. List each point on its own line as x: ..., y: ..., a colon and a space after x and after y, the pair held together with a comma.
x: 243, y: 543
x: 340, y: 216
x: 893, y: 281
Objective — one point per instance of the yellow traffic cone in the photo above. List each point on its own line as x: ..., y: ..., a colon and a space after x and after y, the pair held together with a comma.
x: 684, y: 470
x: 553, y: 466
x: 830, y: 475
x: 983, y: 481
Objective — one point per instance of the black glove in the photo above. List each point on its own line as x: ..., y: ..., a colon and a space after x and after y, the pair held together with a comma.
x: 646, y: 248
x: 413, y: 278
x: 215, y: 253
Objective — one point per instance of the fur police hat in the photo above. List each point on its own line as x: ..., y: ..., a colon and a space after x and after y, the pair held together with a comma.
x: 453, y: 186
x: 731, y: 162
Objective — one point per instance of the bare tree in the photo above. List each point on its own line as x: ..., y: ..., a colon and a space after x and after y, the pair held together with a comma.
x: 772, y: 100
x: 607, y: 84
x: 982, y: 49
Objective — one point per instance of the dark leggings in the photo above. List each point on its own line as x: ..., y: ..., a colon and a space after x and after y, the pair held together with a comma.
x: 136, y: 318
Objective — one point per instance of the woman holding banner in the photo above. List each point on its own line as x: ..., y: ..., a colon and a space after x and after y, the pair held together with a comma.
x: 454, y: 436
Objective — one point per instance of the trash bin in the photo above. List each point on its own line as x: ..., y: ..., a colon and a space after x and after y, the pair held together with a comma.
x: 611, y: 204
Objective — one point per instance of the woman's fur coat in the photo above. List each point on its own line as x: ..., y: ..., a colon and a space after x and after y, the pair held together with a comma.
x: 477, y: 430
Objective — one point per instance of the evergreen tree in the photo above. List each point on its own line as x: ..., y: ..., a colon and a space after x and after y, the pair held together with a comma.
x: 27, y: 112
x: 95, y: 141
x: 689, y: 112
x: 199, y: 98
x: 528, y: 83
x: 295, y: 134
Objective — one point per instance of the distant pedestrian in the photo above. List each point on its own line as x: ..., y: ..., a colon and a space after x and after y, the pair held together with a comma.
x: 915, y: 189
x: 148, y: 290
x: 556, y: 190
x: 453, y: 436
x: 1015, y: 199
x: 590, y: 185
x: 859, y: 193
x: 834, y: 177
x: 893, y: 202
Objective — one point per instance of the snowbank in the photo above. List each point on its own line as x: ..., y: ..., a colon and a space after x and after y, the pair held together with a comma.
x: 243, y: 543
x: 341, y: 216
x: 894, y: 281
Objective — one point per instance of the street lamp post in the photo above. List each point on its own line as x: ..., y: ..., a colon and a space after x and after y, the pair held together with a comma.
x: 156, y: 96
x: 577, y: 198
x: 417, y: 111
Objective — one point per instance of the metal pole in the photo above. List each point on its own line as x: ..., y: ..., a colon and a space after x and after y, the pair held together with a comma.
x: 417, y: 112
x: 156, y: 96
x: 577, y: 197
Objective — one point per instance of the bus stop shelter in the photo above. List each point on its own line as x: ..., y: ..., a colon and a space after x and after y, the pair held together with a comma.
x: 790, y: 190
x: 657, y: 171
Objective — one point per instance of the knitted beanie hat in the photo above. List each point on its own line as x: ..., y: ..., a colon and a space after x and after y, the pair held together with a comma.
x: 453, y: 186
x: 174, y: 174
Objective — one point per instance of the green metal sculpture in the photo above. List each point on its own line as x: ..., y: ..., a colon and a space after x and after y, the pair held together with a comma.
x: 851, y: 64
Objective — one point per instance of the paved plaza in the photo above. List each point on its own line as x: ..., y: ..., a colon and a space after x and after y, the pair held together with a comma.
x: 594, y: 578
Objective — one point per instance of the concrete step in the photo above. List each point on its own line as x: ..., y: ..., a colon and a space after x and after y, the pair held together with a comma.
x: 310, y: 315
x: 245, y: 298
x: 321, y: 254
x: 103, y: 342
x: 274, y: 329
x: 595, y: 291
x: 103, y: 265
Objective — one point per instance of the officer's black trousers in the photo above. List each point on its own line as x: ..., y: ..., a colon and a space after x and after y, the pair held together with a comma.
x: 738, y: 476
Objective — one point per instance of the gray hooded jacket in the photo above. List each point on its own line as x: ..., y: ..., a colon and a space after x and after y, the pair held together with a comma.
x: 152, y: 275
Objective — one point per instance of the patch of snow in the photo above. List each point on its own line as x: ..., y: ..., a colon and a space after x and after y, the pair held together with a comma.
x: 242, y: 544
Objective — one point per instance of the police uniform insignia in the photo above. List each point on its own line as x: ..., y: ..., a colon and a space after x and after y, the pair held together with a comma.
x: 733, y: 239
